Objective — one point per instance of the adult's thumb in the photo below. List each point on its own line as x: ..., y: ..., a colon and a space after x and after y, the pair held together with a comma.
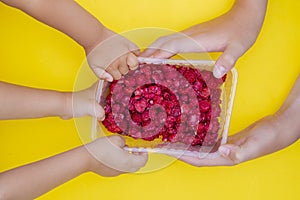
x: 231, y: 152
x: 227, y: 60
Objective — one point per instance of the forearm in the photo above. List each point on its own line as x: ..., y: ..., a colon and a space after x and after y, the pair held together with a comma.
x: 254, y: 7
x: 66, y: 16
x: 32, y: 180
x: 18, y: 102
x: 252, y: 11
x: 288, y: 114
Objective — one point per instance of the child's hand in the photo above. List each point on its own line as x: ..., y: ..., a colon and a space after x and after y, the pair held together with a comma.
x: 232, y: 33
x: 113, y: 56
x: 83, y: 103
x: 104, y: 156
x: 107, y: 158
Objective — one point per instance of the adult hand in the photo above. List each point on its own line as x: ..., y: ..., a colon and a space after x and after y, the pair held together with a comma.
x: 232, y: 33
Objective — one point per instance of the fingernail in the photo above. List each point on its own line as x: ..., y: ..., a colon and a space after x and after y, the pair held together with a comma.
x: 102, y: 118
x: 109, y: 79
x: 224, y: 151
x: 219, y: 71
x: 134, y: 67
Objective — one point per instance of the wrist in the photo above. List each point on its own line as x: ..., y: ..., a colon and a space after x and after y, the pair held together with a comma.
x: 85, y: 159
x: 288, y: 126
x: 90, y: 162
x: 65, y: 110
x: 101, y: 35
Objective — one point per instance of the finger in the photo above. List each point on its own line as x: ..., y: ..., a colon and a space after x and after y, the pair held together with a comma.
x: 227, y: 60
x: 164, y: 53
x: 155, y: 46
x: 231, y: 152
x: 137, y: 161
x: 176, y: 45
x: 98, y: 112
x: 131, y: 162
x: 168, y: 49
x: 132, y: 61
x: 102, y: 74
x: 114, y: 71
x: 117, y: 140
x: 134, y: 48
x: 148, y: 52
x: 239, y: 153
x: 136, y: 52
x: 199, y: 162
x: 123, y: 68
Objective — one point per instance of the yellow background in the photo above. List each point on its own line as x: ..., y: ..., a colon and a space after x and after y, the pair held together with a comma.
x: 33, y: 54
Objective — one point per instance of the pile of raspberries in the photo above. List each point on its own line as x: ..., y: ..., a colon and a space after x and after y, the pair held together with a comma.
x: 178, y: 104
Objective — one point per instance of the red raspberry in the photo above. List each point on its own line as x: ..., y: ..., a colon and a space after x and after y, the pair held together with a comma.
x: 141, y: 105
x: 204, y: 105
x: 136, y: 117
x: 153, y: 110
x: 190, y: 76
x: 205, y: 93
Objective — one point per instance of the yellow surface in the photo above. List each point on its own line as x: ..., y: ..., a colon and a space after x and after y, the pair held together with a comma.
x: 35, y: 55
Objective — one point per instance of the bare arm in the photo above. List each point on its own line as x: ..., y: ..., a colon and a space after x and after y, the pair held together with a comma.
x: 263, y: 137
x: 66, y: 16
x: 18, y: 102
x: 32, y: 180
x: 232, y: 33
x: 70, y: 18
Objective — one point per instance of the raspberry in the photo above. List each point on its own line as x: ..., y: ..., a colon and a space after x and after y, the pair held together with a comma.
x: 204, y: 105
x: 205, y: 93
x: 140, y: 79
x: 198, y: 86
x: 141, y: 105
x: 190, y: 76
x: 156, y: 101
x: 137, y: 118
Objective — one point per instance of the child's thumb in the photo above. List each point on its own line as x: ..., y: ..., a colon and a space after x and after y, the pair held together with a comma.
x: 102, y: 74
x: 98, y: 112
